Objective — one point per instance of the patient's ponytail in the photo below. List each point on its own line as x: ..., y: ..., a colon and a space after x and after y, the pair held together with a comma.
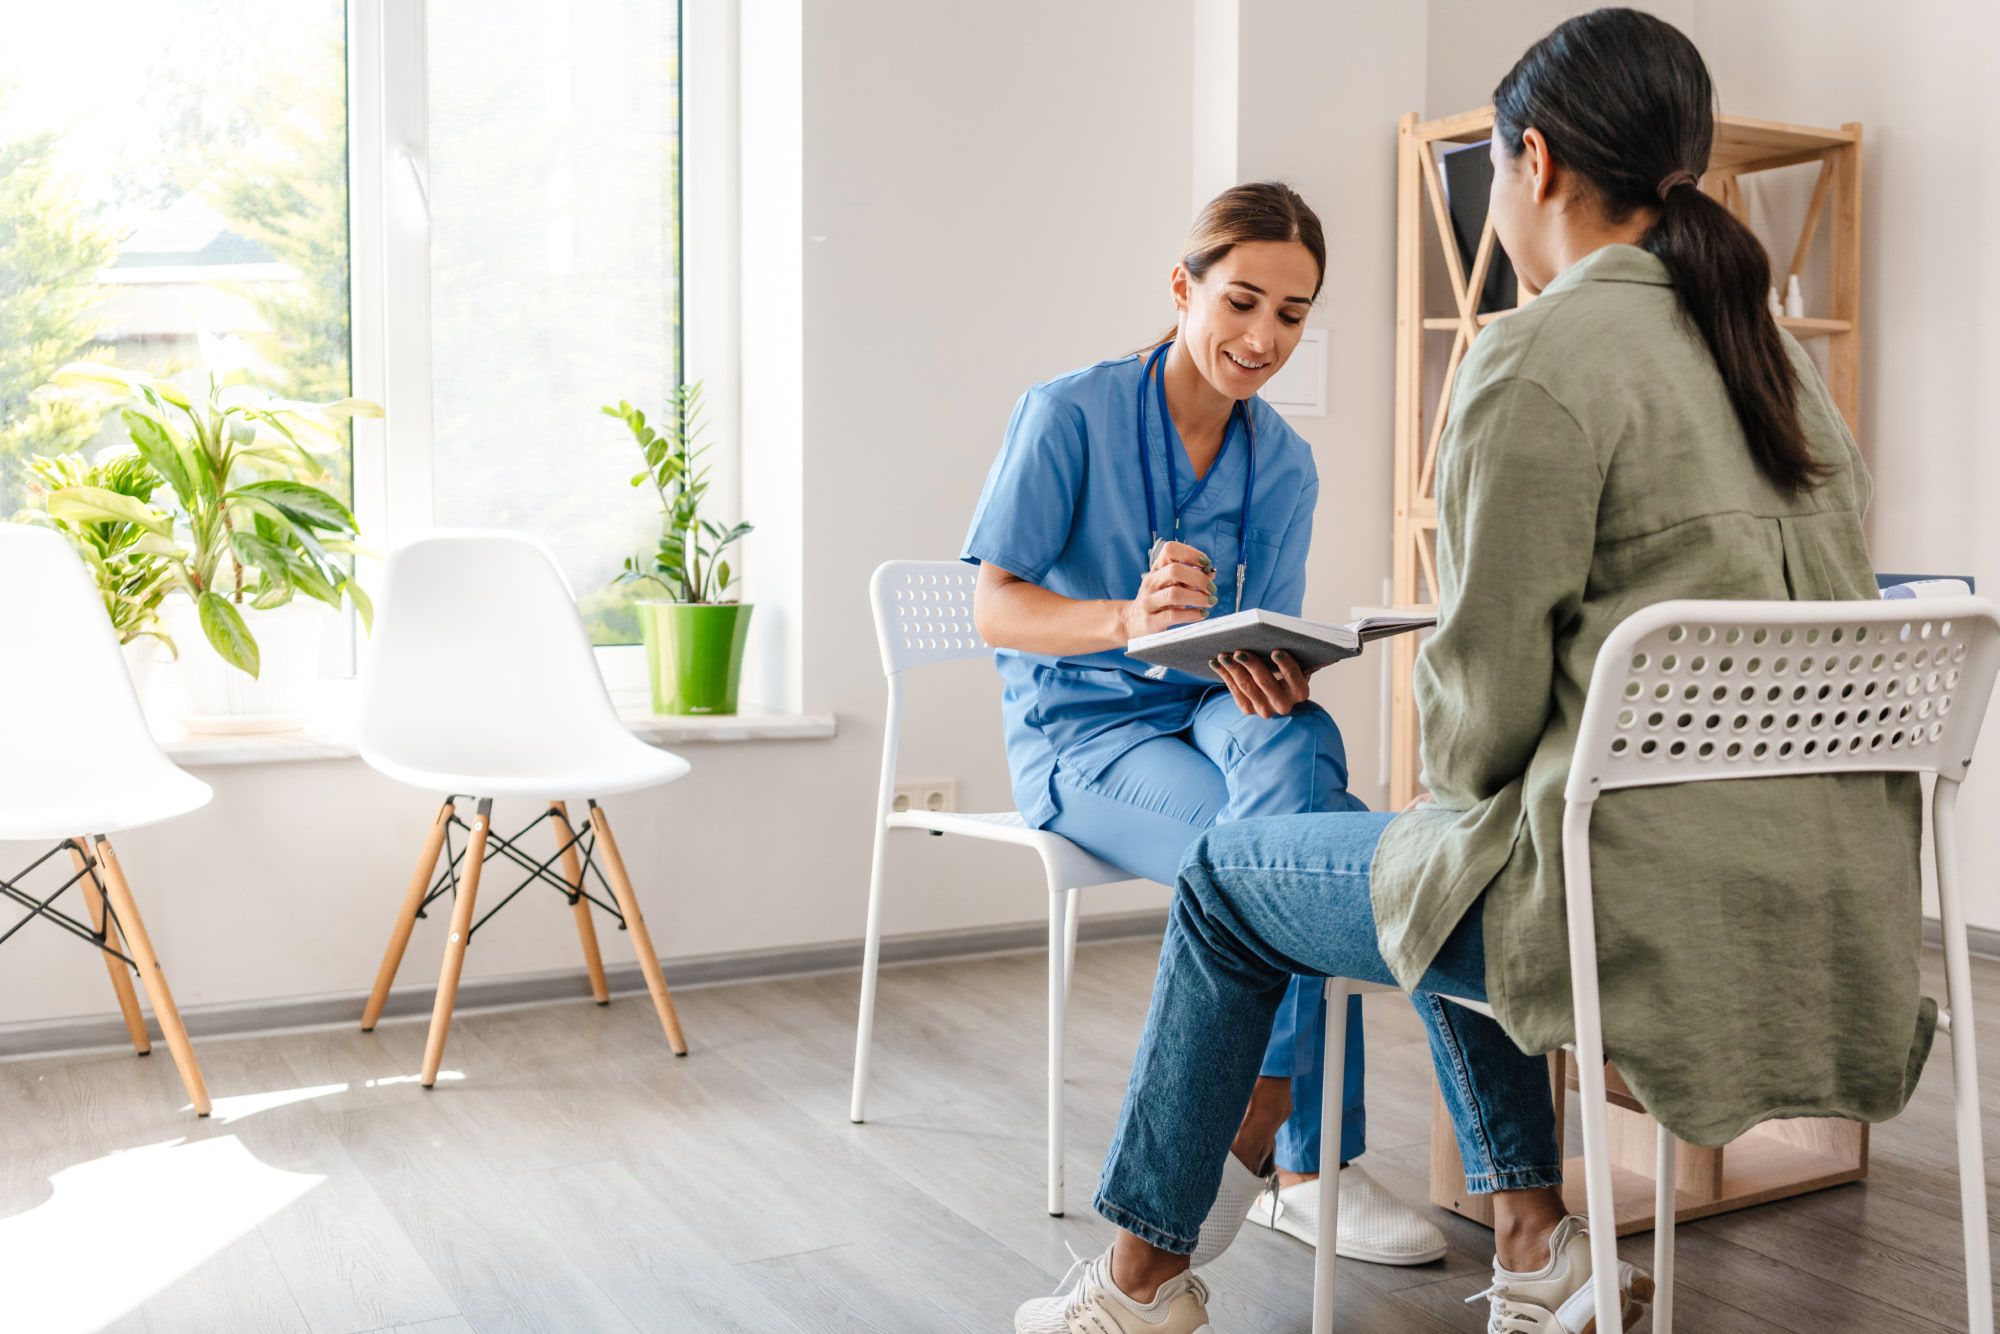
x: 1624, y: 100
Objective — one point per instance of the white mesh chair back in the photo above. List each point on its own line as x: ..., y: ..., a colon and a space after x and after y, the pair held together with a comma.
x: 1691, y: 690
x: 78, y: 756
x: 923, y: 613
x: 481, y: 679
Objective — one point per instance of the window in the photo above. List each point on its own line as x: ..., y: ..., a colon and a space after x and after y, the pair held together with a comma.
x: 167, y: 168
x: 554, y: 190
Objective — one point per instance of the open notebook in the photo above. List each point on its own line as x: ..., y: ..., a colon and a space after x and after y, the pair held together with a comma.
x: 1188, y: 648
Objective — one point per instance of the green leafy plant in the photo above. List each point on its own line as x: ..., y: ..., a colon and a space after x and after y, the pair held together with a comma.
x: 252, y: 525
x: 130, y: 562
x: 688, y: 563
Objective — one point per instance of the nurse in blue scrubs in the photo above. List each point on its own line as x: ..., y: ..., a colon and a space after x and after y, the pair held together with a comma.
x: 1152, y: 491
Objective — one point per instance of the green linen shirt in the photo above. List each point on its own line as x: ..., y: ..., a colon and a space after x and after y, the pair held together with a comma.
x: 1758, y: 940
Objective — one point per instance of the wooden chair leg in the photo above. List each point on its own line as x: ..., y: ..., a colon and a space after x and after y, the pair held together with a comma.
x: 121, y: 977
x: 454, y: 946
x: 406, y: 918
x: 586, y: 931
x: 150, y: 974
x: 642, y: 941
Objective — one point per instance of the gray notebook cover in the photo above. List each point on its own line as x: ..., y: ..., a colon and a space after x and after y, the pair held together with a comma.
x: 1188, y: 648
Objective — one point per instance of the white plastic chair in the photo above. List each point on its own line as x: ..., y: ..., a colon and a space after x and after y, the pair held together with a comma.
x: 1688, y: 692
x: 481, y: 682
x: 923, y: 614
x: 81, y: 766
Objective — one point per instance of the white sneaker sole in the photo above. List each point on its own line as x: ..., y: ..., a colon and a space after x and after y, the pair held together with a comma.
x: 1348, y: 1251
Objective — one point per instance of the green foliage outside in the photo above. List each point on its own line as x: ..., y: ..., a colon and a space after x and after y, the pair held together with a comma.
x: 50, y: 255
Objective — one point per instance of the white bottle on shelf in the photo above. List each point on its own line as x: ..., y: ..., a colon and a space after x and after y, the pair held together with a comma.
x: 1777, y: 306
x: 1795, y: 301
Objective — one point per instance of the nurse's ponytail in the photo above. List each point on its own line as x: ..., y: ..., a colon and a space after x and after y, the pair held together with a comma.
x: 1624, y: 100
x: 1256, y: 211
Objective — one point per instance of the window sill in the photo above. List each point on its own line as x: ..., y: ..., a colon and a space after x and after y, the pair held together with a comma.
x: 330, y: 733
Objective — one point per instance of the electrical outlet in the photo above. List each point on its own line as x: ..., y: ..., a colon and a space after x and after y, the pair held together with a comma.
x: 927, y: 794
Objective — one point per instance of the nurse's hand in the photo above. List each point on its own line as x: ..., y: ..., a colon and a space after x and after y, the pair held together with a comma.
x: 1259, y: 689
x: 1178, y: 590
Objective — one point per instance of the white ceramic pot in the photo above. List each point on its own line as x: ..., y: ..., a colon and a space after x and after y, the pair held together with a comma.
x: 140, y: 655
x: 219, y: 698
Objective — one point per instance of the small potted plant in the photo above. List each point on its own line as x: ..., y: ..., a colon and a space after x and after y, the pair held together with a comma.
x: 253, y: 532
x: 694, y: 635
x: 128, y: 562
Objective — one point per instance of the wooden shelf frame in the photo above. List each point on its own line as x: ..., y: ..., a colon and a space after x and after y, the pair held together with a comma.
x: 1742, y: 147
x: 1782, y: 1157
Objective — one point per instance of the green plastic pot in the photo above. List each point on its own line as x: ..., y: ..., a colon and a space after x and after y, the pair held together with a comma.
x: 694, y: 653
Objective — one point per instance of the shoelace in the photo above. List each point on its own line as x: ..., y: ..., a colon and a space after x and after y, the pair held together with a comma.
x: 1079, y: 1269
x: 1084, y: 1269
x: 1507, y: 1316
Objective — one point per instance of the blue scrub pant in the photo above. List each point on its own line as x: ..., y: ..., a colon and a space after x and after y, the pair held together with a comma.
x: 1145, y: 810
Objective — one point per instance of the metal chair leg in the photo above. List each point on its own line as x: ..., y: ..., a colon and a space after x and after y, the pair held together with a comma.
x: 1964, y: 1060
x: 1059, y: 902
x: 1332, y: 1109
x: 1664, y: 1171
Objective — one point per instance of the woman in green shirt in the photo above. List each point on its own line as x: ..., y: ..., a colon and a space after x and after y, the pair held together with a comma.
x: 1641, y: 430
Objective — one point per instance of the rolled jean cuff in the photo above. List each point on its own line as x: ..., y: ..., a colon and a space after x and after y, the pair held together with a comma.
x: 1141, y: 1229
x: 1522, y: 1178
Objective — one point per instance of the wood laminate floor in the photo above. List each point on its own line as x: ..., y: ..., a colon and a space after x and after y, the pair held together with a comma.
x: 568, y: 1174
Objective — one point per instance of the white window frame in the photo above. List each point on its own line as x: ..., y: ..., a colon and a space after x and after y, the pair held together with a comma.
x: 389, y: 267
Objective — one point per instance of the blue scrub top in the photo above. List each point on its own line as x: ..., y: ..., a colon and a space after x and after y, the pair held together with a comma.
x: 1065, y: 507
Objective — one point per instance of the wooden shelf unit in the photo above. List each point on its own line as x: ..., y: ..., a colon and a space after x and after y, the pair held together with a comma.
x: 1780, y: 1158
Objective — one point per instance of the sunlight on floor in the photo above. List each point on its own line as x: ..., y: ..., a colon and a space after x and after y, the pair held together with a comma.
x: 225, y: 1110
x: 121, y: 1228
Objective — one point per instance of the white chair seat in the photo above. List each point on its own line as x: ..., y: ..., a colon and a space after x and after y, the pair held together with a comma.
x: 111, y: 804
x: 1074, y: 865
x: 616, y: 767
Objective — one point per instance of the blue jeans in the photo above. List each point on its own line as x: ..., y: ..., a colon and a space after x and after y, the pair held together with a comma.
x: 1257, y: 903
x: 1150, y: 805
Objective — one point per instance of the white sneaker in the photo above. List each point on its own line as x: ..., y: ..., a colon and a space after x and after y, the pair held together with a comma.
x: 1557, y: 1298
x: 1096, y: 1306
x: 1239, y: 1187
x: 1375, y: 1226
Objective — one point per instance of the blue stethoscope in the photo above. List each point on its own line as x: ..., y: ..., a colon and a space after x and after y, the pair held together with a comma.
x: 1173, y: 480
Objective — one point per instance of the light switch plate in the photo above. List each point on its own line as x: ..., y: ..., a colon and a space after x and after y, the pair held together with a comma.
x: 1299, y: 388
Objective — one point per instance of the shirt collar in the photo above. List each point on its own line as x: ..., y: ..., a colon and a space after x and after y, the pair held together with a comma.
x: 1613, y: 264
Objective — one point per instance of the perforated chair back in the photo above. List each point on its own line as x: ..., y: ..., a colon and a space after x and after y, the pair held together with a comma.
x: 923, y: 613
x: 1691, y: 690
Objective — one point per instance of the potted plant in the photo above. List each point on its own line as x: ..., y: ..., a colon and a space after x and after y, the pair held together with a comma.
x: 127, y: 561
x: 694, y: 635
x: 253, y: 532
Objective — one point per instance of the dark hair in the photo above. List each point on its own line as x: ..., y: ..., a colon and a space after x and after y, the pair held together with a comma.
x: 1256, y: 211
x: 1624, y: 101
